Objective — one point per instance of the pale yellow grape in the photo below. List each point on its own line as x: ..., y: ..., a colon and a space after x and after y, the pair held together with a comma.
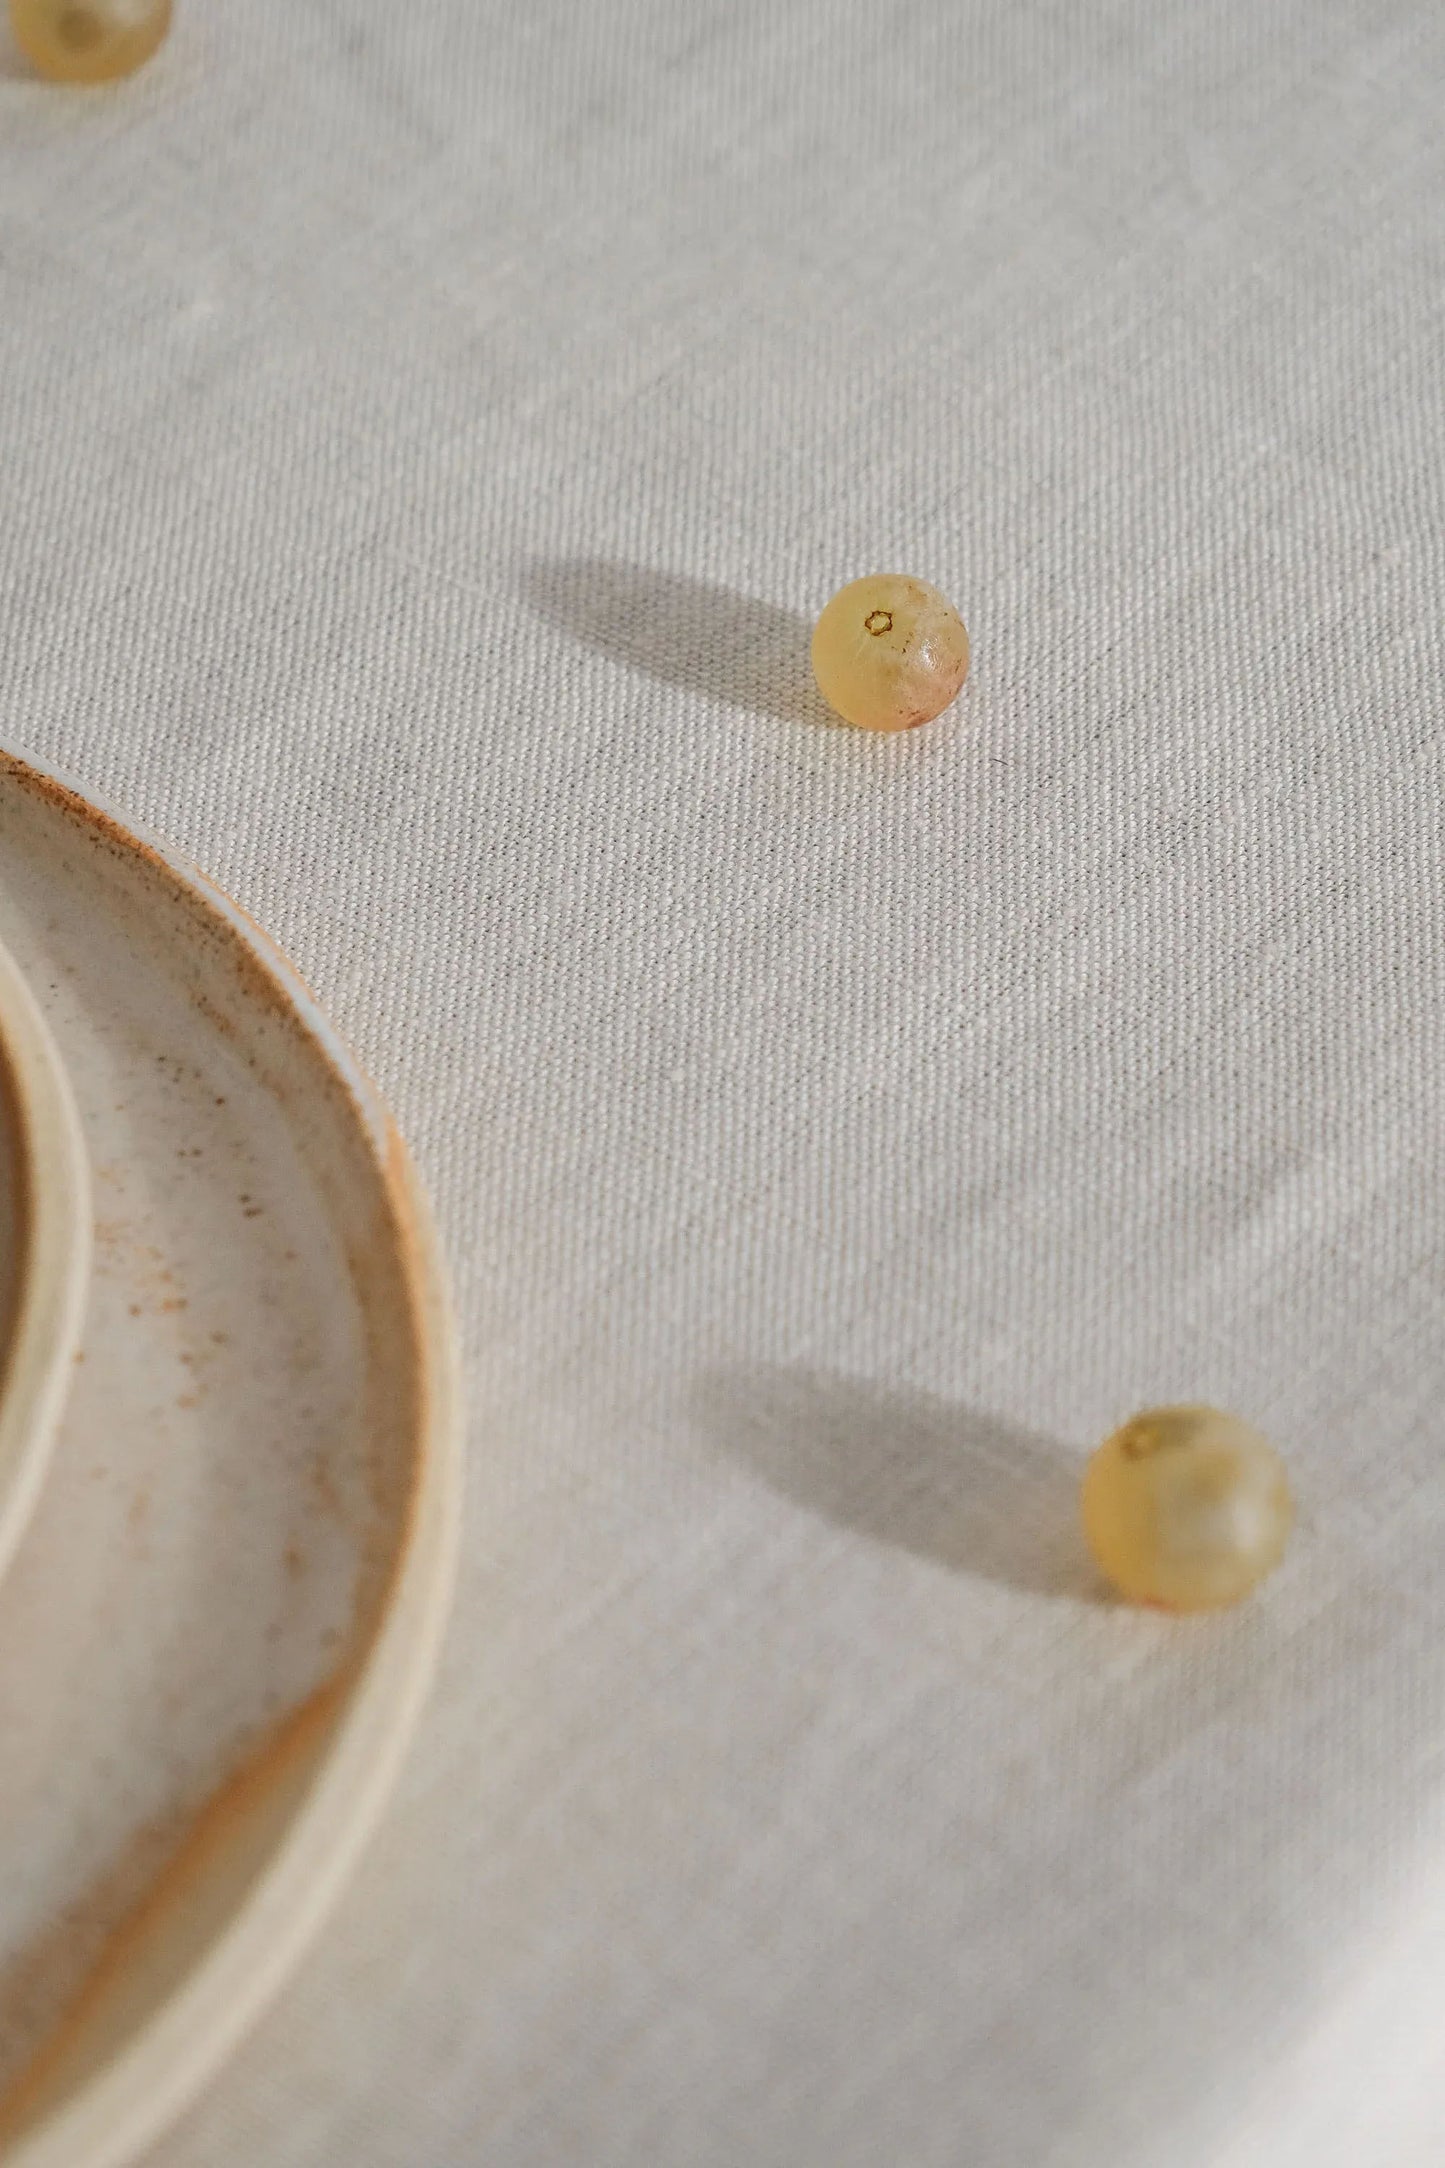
x: 889, y: 652
x: 89, y: 41
x: 1186, y: 1508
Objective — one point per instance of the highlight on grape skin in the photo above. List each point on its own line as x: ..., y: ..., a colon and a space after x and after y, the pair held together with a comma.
x: 889, y: 652
x: 89, y: 41
x: 1186, y: 1508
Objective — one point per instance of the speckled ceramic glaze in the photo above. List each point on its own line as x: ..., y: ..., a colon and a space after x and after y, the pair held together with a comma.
x: 217, y: 1629
x: 44, y: 1248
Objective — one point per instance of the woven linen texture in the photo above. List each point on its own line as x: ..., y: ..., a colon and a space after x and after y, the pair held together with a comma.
x: 427, y: 434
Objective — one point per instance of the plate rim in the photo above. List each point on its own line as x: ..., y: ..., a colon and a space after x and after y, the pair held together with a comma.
x: 132, y: 2099
x: 55, y: 1251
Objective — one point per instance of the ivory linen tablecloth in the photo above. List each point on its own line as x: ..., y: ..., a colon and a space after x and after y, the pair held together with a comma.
x: 426, y: 432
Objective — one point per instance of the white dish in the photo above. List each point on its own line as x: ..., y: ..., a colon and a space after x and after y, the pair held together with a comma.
x: 44, y: 1248
x: 218, y: 1629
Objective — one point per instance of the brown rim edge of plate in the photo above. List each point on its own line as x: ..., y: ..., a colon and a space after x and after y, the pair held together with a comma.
x: 80, y: 2102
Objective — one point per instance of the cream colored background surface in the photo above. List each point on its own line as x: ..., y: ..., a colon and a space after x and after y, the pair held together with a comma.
x: 425, y: 433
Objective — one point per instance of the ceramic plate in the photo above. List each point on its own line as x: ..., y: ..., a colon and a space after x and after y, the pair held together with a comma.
x: 217, y: 1629
x: 44, y: 1247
